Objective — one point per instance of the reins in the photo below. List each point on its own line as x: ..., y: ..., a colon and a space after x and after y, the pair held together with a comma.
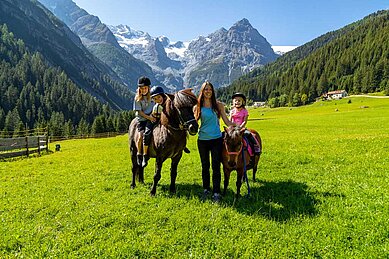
x: 245, y: 170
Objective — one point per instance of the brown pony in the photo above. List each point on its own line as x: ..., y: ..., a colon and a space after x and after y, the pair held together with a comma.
x: 169, y: 137
x: 232, y: 156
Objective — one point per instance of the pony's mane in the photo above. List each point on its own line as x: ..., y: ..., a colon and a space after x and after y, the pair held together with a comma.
x: 168, y: 109
x: 185, y: 98
x: 182, y: 99
x: 234, y: 133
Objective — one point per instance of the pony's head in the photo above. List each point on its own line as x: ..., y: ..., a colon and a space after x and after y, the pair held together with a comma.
x: 181, y: 104
x: 233, y: 144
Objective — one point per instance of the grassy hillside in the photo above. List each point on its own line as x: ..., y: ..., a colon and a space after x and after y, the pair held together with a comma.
x: 322, y: 192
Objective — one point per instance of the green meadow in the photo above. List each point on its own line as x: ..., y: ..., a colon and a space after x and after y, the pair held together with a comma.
x: 322, y: 191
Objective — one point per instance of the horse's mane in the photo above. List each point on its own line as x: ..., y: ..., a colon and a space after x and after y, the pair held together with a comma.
x: 182, y: 99
x: 234, y: 133
x: 185, y: 98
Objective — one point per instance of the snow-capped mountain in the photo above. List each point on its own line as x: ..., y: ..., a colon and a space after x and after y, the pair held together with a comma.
x: 220, y: 57
x: 152, y: 50
x: 281, y: 50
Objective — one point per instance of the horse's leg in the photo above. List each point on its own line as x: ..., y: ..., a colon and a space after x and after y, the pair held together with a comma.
x: 173, y: 172
x: 255, y: 166
x: 239, y: 179
x: 227, y: 173
x: 157, y: 175
x: 141, y: 171
x: 135, y: 169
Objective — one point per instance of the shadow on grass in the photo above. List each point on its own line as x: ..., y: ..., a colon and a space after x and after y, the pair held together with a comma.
x: 279, y: 201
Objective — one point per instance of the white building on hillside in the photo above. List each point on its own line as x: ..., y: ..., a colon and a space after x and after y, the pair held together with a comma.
x: 338, y: 94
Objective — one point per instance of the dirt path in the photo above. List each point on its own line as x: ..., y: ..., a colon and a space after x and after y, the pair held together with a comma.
x: 371, y: 96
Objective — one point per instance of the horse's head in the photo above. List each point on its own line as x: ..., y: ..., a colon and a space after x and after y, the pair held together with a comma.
x: 181, y: 104
x: 233, y: 144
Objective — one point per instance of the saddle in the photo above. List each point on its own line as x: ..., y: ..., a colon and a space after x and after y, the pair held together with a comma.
x: 249, y: 145
x: 250, y: 149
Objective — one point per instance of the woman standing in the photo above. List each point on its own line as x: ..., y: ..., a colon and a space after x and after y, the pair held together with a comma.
x: 210, y: 141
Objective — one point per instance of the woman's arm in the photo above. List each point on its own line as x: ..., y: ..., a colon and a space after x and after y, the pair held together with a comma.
x: 223, y: 114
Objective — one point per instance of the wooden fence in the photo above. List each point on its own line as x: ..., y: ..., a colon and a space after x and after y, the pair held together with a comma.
x: 32, y: 142
x: 95, y: 135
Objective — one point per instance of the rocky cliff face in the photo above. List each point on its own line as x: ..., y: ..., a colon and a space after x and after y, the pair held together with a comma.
x: 225, y: 55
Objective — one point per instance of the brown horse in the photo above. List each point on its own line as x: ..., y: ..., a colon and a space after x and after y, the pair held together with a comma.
x: 234, y: 150
x: 169, y: 137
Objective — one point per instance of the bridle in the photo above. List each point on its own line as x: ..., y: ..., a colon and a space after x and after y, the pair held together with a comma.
x: 230, y: 153
x: 183, y: 125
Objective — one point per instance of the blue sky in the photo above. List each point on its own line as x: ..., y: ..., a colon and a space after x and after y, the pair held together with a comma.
x: 280, y: 22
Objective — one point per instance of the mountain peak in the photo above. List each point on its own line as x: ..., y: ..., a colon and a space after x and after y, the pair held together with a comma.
x: 243, y: 22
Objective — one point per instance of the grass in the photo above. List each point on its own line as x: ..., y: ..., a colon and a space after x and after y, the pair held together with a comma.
x: 322, y: 192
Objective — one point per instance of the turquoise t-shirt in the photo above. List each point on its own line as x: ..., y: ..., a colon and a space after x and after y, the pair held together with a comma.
x: 210, y: 125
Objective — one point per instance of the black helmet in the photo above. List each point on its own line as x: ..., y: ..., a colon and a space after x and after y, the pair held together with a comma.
x: 143, y: 81
x: 239, y: 95
x: 156, y: 90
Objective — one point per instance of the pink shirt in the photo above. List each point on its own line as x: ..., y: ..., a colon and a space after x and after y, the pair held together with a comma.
x: 238, y: 116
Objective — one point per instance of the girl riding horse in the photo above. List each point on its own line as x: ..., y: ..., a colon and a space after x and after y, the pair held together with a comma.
x: 236, y: 156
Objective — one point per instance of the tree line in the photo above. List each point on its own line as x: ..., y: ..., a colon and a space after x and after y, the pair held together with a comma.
x: 355, y: 59
x: 34, y: 95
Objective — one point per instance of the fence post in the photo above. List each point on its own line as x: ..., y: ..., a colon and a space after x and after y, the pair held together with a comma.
x: 27, y: 145
x: 39, y: 145
x: 47, y: 139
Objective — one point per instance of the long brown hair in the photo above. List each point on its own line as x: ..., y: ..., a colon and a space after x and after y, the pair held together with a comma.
x: 139, y: 96
x: 200, y: 100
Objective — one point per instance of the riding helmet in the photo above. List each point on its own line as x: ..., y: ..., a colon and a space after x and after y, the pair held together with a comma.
x: 156, y: 90
x: 239, y: 95
x: 144, y: 81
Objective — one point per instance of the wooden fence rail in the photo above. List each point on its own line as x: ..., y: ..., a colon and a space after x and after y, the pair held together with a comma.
x: 20, y: 146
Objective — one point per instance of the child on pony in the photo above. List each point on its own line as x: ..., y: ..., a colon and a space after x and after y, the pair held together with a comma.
x: 143, y: 106
x: 239, y: 115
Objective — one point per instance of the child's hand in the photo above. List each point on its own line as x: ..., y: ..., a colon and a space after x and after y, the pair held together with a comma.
x: 152, y: 119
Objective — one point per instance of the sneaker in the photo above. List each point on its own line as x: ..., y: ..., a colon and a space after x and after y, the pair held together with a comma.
x: 186, y: 150
x: 216, y: 197
x: 139, y: 159
x: 257, y: 150
x: 144, y: 161
x: 206, y: 193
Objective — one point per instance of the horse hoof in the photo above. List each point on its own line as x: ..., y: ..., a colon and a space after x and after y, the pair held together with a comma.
x: 133, y: 186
